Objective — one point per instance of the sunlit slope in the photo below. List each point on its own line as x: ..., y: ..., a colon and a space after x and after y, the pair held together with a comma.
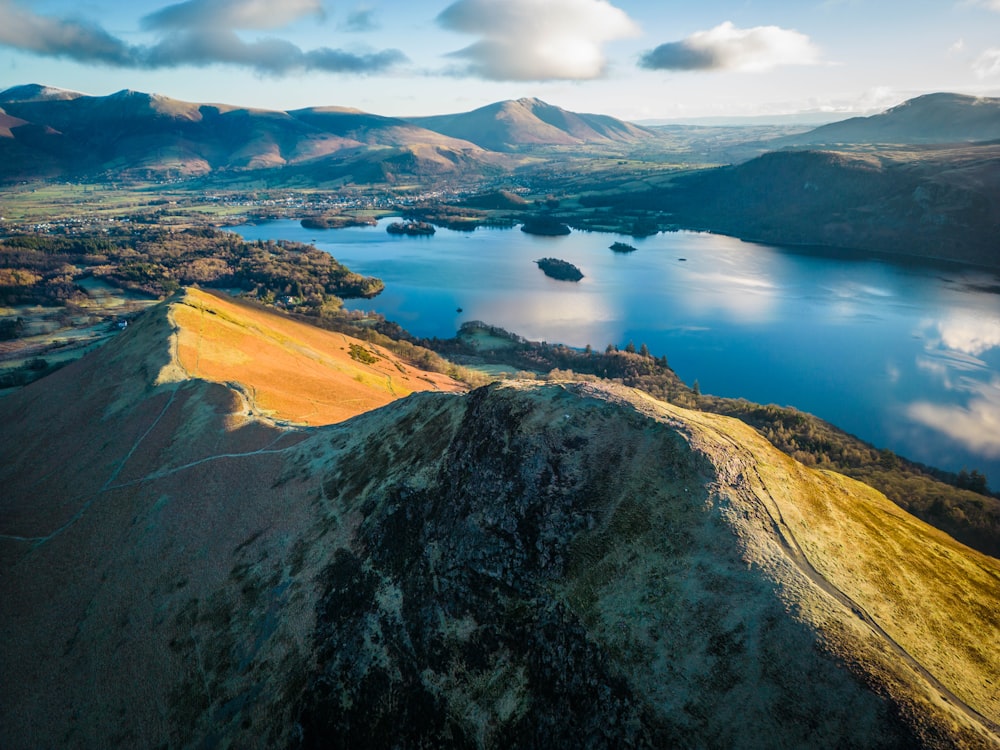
x: 918, y: 597
x: 288, y: 370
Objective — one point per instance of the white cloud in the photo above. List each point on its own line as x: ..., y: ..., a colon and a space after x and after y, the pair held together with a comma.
x: 55, y: 37
x: 267, y: 56
x: 727, y: 47
x: 989, y: 4
x: 196, y: 32
x: 535, y: 40
x: 987, y: 64
x: 232, y: 14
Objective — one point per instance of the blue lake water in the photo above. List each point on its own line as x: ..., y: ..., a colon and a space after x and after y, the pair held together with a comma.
x: 904, y: 355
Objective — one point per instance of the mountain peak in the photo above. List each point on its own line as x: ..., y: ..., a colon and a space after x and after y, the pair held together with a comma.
x: 529, y: 121
x: 35, y: 92
x: 129, y: 94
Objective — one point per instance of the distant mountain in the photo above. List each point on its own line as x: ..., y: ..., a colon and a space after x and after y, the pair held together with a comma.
x: 48, y: 132
x: 934, y: 202
x: 185, y: 563
x: 934, y: 118
x: 509, y: 125
x: 374, y: 130
x: 134, y: 134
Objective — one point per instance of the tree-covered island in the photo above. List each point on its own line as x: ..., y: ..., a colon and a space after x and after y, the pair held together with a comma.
x: 559, y: 269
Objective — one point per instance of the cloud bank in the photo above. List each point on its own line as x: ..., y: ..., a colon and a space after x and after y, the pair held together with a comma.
x: 727, y: 48
x: 232, y: 14
x: 196, y: 33
x: 536, y: 40
x: 987, y: 65
x: 53, y: 37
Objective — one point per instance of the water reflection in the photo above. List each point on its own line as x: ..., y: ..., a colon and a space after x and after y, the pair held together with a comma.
x: 975, y: 425
x: 969, y: 332
x: 742, y: 297
x: 954, y: 350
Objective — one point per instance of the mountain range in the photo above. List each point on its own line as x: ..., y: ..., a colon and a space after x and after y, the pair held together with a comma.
x: 186, y: 563
x: 47, y: 132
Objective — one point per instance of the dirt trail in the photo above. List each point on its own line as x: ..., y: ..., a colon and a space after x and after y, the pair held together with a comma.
x: 791, y: 547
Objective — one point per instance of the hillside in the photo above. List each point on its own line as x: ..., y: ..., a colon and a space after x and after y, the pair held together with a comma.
x: 132, y: 134
x: 509, y: 125
x: 559, y: 565
x: 288, y: 371
x: 932, y: 202
x: 933, y: 118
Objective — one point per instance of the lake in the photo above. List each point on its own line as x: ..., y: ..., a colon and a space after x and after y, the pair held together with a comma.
x: 905, y: 355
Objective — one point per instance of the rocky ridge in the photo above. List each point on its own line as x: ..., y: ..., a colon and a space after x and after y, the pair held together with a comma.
x: 556, y: 565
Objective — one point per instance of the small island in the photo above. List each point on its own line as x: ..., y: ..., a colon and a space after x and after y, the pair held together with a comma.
x: 622, y: 247
x: 559, y: 269
x: 335, y: 222
x: 411, y: 228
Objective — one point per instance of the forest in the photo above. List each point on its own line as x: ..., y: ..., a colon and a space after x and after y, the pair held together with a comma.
x: 45, y: 269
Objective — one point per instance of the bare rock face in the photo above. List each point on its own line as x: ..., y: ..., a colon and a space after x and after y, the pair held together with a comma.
x: 559, y: 565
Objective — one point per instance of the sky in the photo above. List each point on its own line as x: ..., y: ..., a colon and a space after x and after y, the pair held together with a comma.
x: 633, y: 59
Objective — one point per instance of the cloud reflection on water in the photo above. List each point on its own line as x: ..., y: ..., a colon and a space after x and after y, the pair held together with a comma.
x: 968, y: 333
x: 975, y: 425
x: 745, y: 298
x: 954, y: 347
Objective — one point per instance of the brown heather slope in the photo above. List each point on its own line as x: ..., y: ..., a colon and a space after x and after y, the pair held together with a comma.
x: 288, y: 370
x: 560, y: 565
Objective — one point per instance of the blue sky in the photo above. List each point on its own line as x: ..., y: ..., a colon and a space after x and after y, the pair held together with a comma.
x: 630, y: 59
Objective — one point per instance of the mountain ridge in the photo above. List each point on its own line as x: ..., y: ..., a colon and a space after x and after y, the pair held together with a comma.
x: 929, y: 119
x: 561, y: 564
x: 140, y: 135
x: 130, y: 134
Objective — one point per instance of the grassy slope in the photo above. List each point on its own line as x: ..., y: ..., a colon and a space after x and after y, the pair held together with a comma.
x: 933, y: 596
x: 288, y: 370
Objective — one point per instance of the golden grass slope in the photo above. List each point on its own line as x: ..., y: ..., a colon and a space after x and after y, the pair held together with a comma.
x: 914, y: 597
x: 286, y: 370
